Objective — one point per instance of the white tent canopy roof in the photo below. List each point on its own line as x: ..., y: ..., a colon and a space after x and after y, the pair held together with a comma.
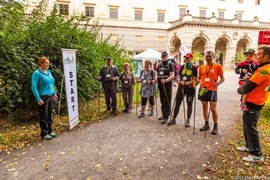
x: 149, y: 54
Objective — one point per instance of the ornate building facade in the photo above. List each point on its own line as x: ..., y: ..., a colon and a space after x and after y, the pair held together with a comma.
x: 226, y: 27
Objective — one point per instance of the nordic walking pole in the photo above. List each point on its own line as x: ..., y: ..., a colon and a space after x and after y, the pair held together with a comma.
x: 194, y: 111
x: 156, y: 103
x: 120, y: 99
x: 212, y: 95
x: 136, y: 96
x: 98, y: 101
x: 170, y: 118
x: 184, y: 109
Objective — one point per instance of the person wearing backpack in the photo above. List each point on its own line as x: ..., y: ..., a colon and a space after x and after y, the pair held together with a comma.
x: 127, y: 81
x: 186, y: 81
x: 165, y: 76
x: 148, y: 78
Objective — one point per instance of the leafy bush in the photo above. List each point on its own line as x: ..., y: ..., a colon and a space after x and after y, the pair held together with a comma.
x: 238, y: 58
x: 25, y: 38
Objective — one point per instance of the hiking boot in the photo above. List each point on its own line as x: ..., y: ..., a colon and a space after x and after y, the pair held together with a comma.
x: 141, y: 115
x: 242, y: 148
x: 164, y: 121
x: 215, y: 130
x: 187, y: 124
x: 252, y: 158
x: 125, y: 111
x: 46, y: 137
x: 114, y: 112
x: 53, y: 135
x: 172, y: 122
x: 160, y: 118
x: 151, y: 113
x: 108, y: 109
x: 206, y: 127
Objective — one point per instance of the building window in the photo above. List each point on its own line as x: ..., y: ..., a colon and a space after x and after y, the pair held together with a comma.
x: 89, y: 11
x: 64, y: 9
x: 240, y: 1
x: 161, y: 39
x: 257, y: 2
x: 161, y: 16
x: 182, y: 12
x: 113, y: 13
x: 138, y: 38
x: 138, y: 15
x: 221, y: 14
x: 202, y: 13
x: 238, y: 16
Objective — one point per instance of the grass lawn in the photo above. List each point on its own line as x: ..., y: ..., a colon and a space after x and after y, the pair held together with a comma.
x: 229, y: 163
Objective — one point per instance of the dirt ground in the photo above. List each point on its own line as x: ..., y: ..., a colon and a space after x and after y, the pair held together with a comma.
x: 126, y: 147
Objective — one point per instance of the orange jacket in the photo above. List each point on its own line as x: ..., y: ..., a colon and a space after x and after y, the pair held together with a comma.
x: 261, y: 77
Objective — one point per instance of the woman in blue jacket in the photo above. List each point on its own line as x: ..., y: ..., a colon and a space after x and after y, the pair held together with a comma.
x: 44, y: 92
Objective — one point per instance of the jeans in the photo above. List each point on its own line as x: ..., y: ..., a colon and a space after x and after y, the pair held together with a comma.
x: 45, y: 115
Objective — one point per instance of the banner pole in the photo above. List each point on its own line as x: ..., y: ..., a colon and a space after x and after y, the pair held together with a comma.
x: 59, y: 105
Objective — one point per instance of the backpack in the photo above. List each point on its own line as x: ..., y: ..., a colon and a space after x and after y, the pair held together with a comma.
x: 152, y: 73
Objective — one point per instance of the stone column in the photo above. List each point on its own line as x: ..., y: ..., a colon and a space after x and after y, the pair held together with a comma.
x: 230, y: 53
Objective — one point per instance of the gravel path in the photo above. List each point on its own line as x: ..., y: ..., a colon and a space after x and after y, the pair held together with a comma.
x: 125, y: 147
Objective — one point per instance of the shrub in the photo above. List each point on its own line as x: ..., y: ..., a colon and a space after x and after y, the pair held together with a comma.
x: 25, y: 38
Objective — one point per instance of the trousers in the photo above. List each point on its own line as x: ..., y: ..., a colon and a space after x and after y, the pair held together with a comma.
x: 45, y: 115
x: 250, y: 119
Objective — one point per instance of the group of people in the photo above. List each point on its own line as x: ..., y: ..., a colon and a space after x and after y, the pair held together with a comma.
x: 254, y: 79
x: 209, y: 76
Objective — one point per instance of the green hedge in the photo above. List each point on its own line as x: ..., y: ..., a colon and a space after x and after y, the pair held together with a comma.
x: 24, y: 38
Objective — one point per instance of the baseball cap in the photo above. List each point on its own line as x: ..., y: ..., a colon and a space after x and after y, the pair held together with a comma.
x: 109, y: 58
x: 249, y: 51
x: 164, y: 53
x: 189, y: 55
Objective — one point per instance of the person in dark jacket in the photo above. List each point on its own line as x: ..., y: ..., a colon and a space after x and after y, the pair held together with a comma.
x: 127, y: 80
x: 109, y: 76
x: 246, y: 68
x: 165, y: 76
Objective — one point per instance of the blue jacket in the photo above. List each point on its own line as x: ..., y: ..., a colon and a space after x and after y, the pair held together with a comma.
x: 42, y: 84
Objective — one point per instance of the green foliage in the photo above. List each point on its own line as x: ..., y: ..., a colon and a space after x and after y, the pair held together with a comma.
x: 238, y: 57
x: 25, y: 38
x: 197, y: 55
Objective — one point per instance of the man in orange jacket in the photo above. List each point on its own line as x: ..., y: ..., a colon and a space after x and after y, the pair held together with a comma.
x: 258, y: 88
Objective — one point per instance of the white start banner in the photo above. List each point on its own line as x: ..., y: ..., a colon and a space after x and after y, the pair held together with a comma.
x: 69, y: 62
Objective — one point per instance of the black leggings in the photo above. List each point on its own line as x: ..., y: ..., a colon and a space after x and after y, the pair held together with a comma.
x: 189, y: 93
x: 151, y: 99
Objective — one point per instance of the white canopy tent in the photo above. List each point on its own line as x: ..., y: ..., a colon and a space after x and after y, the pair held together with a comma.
x: 149, y: 54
